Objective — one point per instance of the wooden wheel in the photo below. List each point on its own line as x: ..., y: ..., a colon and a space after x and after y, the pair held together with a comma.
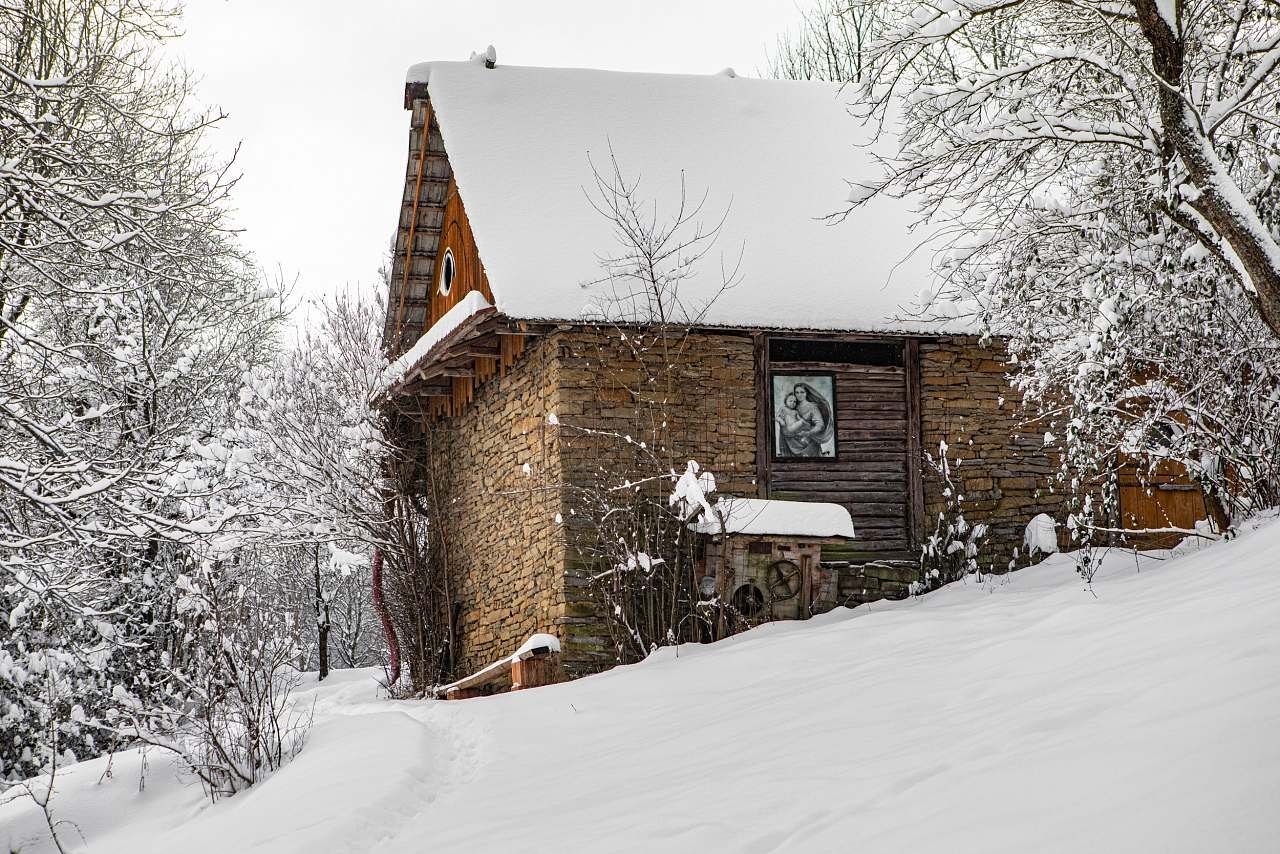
x: 784, y: 579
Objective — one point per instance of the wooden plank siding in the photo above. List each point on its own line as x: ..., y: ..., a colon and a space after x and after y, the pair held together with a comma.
x: 870, y: 474
x: 1164, y: 498
x: 456, y: 236
x: 434, y: 220
x: 428, y: 176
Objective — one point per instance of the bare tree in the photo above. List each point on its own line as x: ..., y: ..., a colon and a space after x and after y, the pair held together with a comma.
x: 315, y: 460
x: 828, y: 44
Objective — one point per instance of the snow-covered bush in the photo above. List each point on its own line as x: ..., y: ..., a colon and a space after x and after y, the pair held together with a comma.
x: 222, y: 701
x: 1040, y: 536
x: 951, y: 551
x: 641, y: 554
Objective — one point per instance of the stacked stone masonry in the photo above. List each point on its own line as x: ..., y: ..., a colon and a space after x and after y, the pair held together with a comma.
x: 507, y: 530
x: 1002, y: 467
x: 611, y: 399
x: 503, y: 546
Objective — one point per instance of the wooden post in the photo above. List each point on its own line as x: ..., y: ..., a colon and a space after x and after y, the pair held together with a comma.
x: 915, y: 482
x: 535, y: 671
x: 764, y: 420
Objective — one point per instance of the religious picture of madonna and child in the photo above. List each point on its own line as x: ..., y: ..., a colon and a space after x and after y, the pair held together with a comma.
x: 804, y: 416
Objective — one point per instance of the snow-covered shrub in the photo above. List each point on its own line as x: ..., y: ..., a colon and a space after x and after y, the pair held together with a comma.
x: 223, y: 704
x: 640, y: 552
x: 1104, y: 184
x: 1040, y: 536
x: 951, y: 551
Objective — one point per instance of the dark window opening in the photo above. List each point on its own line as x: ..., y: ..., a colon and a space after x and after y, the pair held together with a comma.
x: 447, y: 271
x: 882, y: 353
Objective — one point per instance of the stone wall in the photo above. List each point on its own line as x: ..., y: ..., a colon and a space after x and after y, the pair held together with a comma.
x: 609, y: 394
x: 503, y: 547
x: 967, y: 401
x: 518, y: 569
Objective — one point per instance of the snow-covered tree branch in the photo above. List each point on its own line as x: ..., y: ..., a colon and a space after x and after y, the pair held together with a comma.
x: 1104, y: 178
x: 127, y: 314
x: 1141, y: 109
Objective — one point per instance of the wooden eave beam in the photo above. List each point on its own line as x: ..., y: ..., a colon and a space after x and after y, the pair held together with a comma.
x: 543, y: 327
x: 480, y: 351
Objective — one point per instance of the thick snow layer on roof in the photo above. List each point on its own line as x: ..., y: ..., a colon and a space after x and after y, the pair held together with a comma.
x: 453, y: 318
x: 779, y: 156
x: 762, y: 517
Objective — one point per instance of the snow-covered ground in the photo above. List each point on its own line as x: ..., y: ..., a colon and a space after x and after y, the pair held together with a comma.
x: 1027, y: 714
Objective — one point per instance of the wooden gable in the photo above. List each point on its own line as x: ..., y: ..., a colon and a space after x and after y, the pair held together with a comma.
x: 434, y: 226
x: 433, y: 222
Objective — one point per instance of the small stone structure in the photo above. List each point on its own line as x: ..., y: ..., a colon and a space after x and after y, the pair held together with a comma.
x: 765, y: 557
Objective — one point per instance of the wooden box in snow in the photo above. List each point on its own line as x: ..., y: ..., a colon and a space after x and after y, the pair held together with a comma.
x: 765, y: 557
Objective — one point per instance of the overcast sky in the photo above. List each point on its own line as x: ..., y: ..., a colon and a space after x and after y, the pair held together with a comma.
x: 314, y: 92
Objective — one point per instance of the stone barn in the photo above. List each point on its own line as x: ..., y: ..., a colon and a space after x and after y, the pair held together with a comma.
x: 808, y: 378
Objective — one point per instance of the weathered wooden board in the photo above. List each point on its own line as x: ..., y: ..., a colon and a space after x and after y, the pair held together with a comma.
x: 457, y: 238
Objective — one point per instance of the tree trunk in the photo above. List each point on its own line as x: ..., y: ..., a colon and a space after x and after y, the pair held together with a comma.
x: 322, y: 618
x: 1220, y: 202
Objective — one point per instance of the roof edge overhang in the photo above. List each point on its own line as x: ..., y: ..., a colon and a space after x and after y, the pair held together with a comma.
x: 413, y: 92
x: 478, y: 337
x: 434, y: 370
x: 543, y: 325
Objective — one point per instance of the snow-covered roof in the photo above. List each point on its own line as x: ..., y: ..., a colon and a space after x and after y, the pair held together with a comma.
x: 763, y: 517
x: 778, y: 155
x: 467, y: 307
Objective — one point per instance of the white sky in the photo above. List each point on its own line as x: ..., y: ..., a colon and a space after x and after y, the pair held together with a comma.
x: 314, y: 92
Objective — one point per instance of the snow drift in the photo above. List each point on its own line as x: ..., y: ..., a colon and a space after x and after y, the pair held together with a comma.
x: 1024, y: 713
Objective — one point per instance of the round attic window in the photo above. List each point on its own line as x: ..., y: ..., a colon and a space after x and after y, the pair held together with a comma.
x: 448, y: 268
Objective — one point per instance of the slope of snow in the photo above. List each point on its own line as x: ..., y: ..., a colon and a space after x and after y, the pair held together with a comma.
x: 778, y: 156
x: 1024, y: 714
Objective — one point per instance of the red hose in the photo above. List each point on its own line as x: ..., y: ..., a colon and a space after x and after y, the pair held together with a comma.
x: 380, y: 604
